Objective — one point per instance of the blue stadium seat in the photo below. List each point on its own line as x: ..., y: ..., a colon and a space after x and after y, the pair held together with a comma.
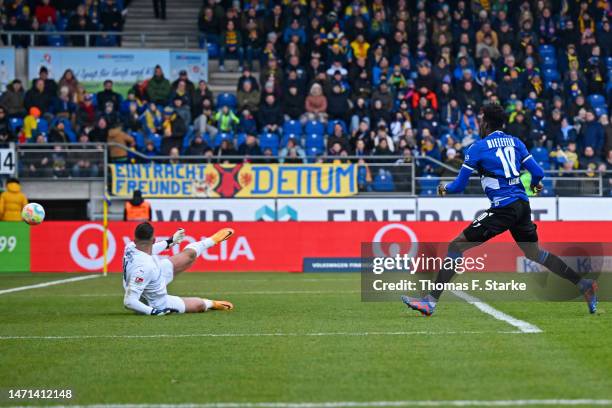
x: 539, y: 154
x: 551, y: 75
x: 43, y: 126
x: 383, y: 181
x: 596, y: 100
x: 428, y: 185
x: 227, y: 99
x: 292, y: 127
x: 56, y: 41
x: 549, y: 63
x: 548, y: 190
x: 188, y: 138
x: 157, y: 140
x: 240, y: 139
x: 314, y: 127
x: 547, y: 50
x: 206, y: 137
x: 313, y: 151
x: 221, y: 136
x: 315, y: 140
x: 332, y: 123
x: 545, y: 165
x: 16, y: 124
x: 269, y: 141
x: 609, y: 62
x: 213, y: 49
x: 61, y: 23
x: 139, y: 139
x: 600, y: 110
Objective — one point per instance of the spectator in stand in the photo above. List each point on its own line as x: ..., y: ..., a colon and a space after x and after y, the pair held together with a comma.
x: 230, y: 44
x: 226, y: 148
x: 50, y: 86
x: 316, y: 104
x: 182, y: 92
x: 111, y: 19
x: 108, y: 95
x: 250, y: 148
x: 293, y: 103
x: 181, y: 109
x: 45, y: 12
x: 6, y: 133
x: 118, y: 153
x: 173, y: 130
x: 338, y: 103
x: 13, y: 99
x: 201, y: 94
x: 292, y: 153
x: 197, y: 147
x: 38, y: 97
x: 12, y: 201
x: 248, y: 97
x: 209, y: 25
x: 158, y: 88
x: 270, y: 115
x: 226, y: 120
x: 592, y: 134
x: 188, y: 87
x: 203, y: 124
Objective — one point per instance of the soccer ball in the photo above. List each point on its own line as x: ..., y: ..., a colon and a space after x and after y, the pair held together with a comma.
x: 33, y: 213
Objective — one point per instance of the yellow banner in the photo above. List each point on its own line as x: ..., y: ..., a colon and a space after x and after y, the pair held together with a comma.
x: 235, y: 180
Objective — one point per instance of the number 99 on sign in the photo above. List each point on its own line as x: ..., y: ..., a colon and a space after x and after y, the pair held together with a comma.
x: 7, y: 244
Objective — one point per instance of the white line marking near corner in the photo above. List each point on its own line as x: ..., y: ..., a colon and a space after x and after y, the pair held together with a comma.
x: 357, y: 404
x: 45, y: 284
x: 280, y: 334
x: 522, y: 325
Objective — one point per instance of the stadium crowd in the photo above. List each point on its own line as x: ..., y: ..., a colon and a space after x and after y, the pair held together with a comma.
x: 390, y: 81
x: 50, y: 16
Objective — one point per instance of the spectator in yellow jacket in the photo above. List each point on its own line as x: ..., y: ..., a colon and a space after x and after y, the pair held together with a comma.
x: 12, y: 201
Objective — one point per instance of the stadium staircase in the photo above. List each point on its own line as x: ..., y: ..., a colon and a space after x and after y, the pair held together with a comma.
x: 181, y: 21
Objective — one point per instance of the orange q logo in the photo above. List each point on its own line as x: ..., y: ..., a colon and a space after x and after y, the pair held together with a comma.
x: 93, y: 259
x: 400, y: 239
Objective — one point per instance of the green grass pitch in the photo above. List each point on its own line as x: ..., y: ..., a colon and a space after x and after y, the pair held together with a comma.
x: 292, y: 338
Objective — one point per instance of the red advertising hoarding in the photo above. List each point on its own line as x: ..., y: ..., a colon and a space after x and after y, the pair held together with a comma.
x: 258, y: 246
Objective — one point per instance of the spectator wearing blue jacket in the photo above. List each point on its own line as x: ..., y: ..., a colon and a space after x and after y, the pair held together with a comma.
x: 294, y: 29
x: 592, y: 134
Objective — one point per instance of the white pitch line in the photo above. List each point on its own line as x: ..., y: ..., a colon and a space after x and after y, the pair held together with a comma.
x: 522, y: 325
x: 357, y: 404
x: 45, y: 284
x: 252, y: 292
x: 319, y: 334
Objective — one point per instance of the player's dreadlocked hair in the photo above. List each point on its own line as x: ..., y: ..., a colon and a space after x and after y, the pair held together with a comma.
x: 494, y: 116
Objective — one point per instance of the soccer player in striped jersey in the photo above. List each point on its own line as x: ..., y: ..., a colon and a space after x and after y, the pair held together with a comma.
x: 498, y: 158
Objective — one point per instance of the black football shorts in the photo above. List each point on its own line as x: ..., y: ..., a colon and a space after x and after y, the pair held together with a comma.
x: 515, y: 217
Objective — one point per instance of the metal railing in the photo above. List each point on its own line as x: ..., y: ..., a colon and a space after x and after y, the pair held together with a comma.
x: 88, y: 38
x: 61, y: 161
x: 88, y: 161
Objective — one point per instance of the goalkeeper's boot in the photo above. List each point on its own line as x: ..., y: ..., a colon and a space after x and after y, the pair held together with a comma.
x: 222, y: 235
x: 588, y: 287
x: 426, y: 305
x: 222, y: 305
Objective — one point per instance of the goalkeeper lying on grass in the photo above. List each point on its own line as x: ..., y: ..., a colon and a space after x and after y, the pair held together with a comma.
x: 145, y: 275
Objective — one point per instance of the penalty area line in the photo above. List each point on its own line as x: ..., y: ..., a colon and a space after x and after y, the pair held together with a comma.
x: 357, y: 404
x: 45, y: 284
x: 522, y: 325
